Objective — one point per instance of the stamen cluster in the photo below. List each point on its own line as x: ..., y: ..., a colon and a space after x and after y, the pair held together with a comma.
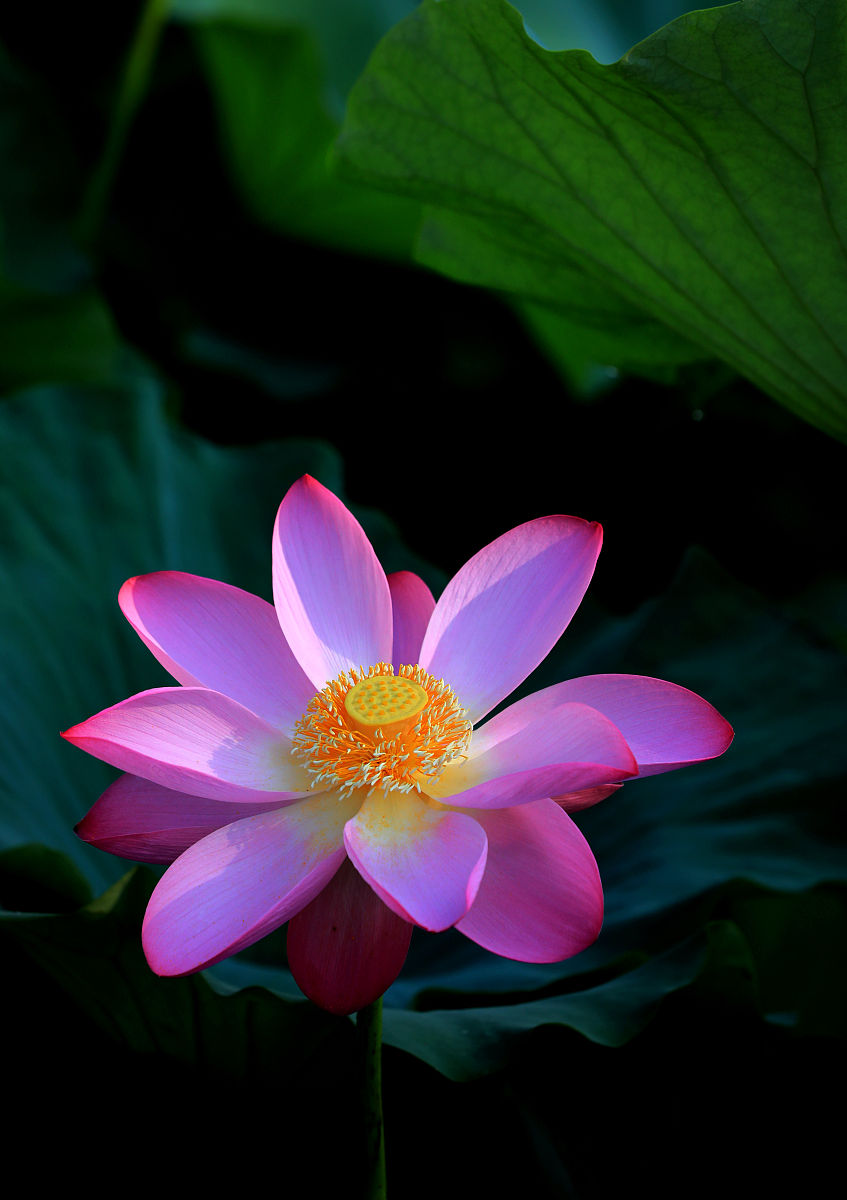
x: 402, y: 758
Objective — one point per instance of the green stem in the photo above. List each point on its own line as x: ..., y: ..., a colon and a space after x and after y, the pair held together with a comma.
x: 132, y: 88
x: 369, y: 1028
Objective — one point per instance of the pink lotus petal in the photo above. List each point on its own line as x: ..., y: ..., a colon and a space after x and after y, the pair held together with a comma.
x: 666, y: 725
x: 423, y: 862
x: 330, y: 592
x: 540, y: 899
x: 144, y: 821
x: 587, y: 798
x: 412, y: 604
x: 567, y: 749
x: 242, y: 881
x: 507, y: 607
x: 197, y: 741
x: 346, y: 947
x: 209, y: 634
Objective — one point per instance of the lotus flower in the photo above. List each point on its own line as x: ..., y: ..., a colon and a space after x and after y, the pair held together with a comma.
x: 322, y: 762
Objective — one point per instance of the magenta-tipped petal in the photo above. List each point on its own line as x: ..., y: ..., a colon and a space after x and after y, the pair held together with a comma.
x: 666, y: 726
x: 412, y: 605
x: 146, y: 822
x: 346, y: 947
x: 241, y: 882
x: 330, y: 592
x: 567, y: 749
x: 523, y: 787
x: 540, y: 899
x: 216, y: 636
x: 424, y: 863
x: 197, y: 741
x: 507, y: 607
x: 586, y: 798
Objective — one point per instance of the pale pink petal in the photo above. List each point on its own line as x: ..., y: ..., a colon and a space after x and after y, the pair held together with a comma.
x: 144, y: 821
x: 666, y: 725
x: 330, y: 592
x: 540, y: 899
x: 210, y: 634
x: 523, y: 787
x: 507, y: 607
x: 412, y: 604
x: 197, y: 741
x: 423, y: 862
x: 346, y: 947
x: 576, y: 801
x: 566, y: 750
x: 242, y: 881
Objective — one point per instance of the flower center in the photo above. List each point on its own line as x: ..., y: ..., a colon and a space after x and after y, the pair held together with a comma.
x: 372, y: 728
x: 382, y: 700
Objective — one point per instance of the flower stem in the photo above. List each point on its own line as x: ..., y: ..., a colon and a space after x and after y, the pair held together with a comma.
x: 132, y: 87
x: 369, y: 1028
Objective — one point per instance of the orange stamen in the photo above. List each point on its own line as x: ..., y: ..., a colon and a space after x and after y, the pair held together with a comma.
x: 372, y: 728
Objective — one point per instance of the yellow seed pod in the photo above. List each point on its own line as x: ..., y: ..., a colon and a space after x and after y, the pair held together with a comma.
x: 379, y: 701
